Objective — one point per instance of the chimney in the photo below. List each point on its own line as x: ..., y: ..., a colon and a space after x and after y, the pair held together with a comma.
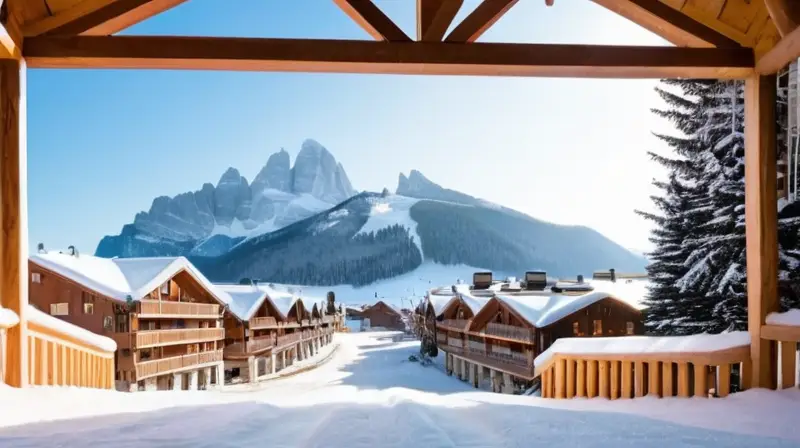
x: 580, y: 278
x: 481, y: 280
x: 613, y: 275
x: 72, y: 251
x: 535, y: 280
x: 40, y: 248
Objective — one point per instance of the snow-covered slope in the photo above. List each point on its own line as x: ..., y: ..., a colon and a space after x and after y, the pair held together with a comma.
x: 389, y: 210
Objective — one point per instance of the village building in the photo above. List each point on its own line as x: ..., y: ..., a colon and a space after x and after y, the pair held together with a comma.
x: 163, y: 314
x: 493, y: 331
x: 382, y: 316
x: 268, y: 330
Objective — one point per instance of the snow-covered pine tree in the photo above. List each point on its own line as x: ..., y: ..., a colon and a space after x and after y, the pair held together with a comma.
x: 682, y: 208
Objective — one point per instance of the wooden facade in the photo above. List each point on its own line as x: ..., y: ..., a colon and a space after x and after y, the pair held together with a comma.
x: 170, y: 339
x: 381, y: 315
x: 736, y: 39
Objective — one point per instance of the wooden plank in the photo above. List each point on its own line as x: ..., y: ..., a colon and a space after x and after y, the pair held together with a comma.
x: 724, y: 380
x: 14, y: 218
x: 372, y: 20
x: 591, y: 379
x: 486, y: 14
x: 10, y: 32
x: 434, y: 18
x: 683, y: 380
x: 788, y: 364
x: 780, y: 333
x: 560, y: 377
x: 570, y: 378
x: 310, y: 55
x: 98, y: 17
x: 761, y: 220
x: 604, y: 379
x: 785, y: 14
x: 654, y: 380
x: 627, y: 380
x: 669, y: 23
x: 580, y: 379
x: 614, y: 391
x: 784, y: 52
x: 640, y: 379
x: 666, y: 379
x: 701, y: 381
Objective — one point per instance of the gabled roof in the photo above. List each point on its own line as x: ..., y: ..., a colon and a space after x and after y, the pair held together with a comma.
x: 544, y: 309
x: 118, y: 278
x: 438, y: 298
x: 245, y: 300
x: 475, y: 303
x: 385, y: 304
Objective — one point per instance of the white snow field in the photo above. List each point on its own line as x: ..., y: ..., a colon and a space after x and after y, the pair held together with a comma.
x: 370, y: 395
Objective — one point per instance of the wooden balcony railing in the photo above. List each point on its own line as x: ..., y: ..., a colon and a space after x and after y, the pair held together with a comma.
x: 179, y: 309
x: 441, y: 338
x: 289, y: 324
x: 146, y: 369
x: 682, y: 373
x: 510, y: 332
x: 289, y: 339
x: 455, y: 324
x: 787, y: 337
x: 263, y: 322
x: 66, y: 355
x: 154, y: 338
x: 305, y: 322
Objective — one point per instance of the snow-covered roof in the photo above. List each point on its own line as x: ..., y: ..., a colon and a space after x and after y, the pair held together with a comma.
x: 543, y: 309
x: 643, y: 345
x: 37, y: 317
x: 246, y: 299
x: 118, y: 278
x: 475, y: 303
x: 8, y: 318
x: 439, y: 298
x: 631, y: 291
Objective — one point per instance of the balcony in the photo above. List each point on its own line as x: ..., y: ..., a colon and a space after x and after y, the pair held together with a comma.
x: 154, y: 338
x: 163, y: 366
x: 182, y: 310
x: 253, y: 346
x: 515, y: 363
x: 305, y: 322
x: 511, y: 332
x: 289, y: 324
x: 454, y: 324
x: 260, y: 323
x: 289, y: 339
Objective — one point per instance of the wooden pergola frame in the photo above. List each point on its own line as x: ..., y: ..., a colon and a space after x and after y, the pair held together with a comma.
x: 81, y: 37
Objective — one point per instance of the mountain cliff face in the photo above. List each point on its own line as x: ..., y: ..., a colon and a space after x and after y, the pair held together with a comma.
x: 213, y: 219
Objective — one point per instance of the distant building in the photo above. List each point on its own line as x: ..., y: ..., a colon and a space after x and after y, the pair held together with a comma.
x: 384, y: 316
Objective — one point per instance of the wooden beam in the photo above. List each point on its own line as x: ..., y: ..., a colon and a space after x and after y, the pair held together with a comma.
x: 481, y: 19
x: 434, y: 18
x: 669, y: 23
x: 785, y: 14
x: 10, y: 33
x: 13, y: 216
x: 372, y: 20
x: 761, y: 221
x: 784, y: 52
x: 343, y: 56
x: 99, y: 17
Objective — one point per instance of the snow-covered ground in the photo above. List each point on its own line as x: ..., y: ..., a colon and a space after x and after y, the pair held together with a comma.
x: 370, y: 395
x: 390, y: 210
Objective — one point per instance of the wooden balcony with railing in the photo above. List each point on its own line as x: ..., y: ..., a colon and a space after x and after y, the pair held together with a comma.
x: 289, y: 324
x: 156, y: 338
x: 260, y: 323
x: 253, y: 347
x: 305, y: 322
x: 515, y: 363
x: 155, y: 367
x: 637, y: 373
x: 510, y: 332
x: 288, y: 339
x: 786, y: 338
x: 182, y: 310
x: 455, y: 324
x: 441, y: 338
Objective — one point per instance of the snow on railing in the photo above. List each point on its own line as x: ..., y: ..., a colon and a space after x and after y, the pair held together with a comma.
x: 64, y: 354
x: 784, y: 329
x: 624, y: 367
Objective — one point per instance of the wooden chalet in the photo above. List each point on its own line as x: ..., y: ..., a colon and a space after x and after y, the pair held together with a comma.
x: 383, y: 315
x: 749, y: 40
x: 163, y: 314
x: 268, y: 330
x: 494, y: 331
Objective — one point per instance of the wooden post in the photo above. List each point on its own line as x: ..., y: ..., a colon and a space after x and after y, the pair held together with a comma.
x: 639, y: 379
x: 570, y: 378
x: 591, y: 379
x: 580, y: 378
x: 560, y: 375
x: 683, y: 380
x: 627, y: 379
x: 14, y: 217
x: 654, y: 383
x: 788, y: 362
x: 724, y: 380
x: 761, y: 219
x: 701, y: 380
x: 614, y: 380
x: 604, y: 380
x: 667, y: 379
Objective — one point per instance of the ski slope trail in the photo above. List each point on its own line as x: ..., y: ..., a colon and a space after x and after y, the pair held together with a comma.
x: 369, y: 395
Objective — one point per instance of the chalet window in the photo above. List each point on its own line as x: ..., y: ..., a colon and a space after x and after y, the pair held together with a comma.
x: 597, y: 329
x: 576, y: 329
x: 180, y: 323
x: 122, y: 323
x: 88, y: 302
x: 59, y: 309
x: 629, y: 328
x: 108, y: 323
x: 165, y: 288
x: 36, y: 277
x: 145, y: 354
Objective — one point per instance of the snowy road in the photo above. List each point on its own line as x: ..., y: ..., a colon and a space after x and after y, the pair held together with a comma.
x: 369, y: 395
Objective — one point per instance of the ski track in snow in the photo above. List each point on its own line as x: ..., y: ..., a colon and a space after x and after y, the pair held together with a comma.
x: 392, y: 210
x: 369, y: 395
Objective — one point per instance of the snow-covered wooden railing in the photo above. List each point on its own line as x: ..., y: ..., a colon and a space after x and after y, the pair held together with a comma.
x: 66, y: 355
x: 784, y: 328
x: 635, y: 366
x: 8, y: 319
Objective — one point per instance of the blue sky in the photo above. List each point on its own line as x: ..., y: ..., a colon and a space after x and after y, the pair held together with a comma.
x: 103, y: 143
